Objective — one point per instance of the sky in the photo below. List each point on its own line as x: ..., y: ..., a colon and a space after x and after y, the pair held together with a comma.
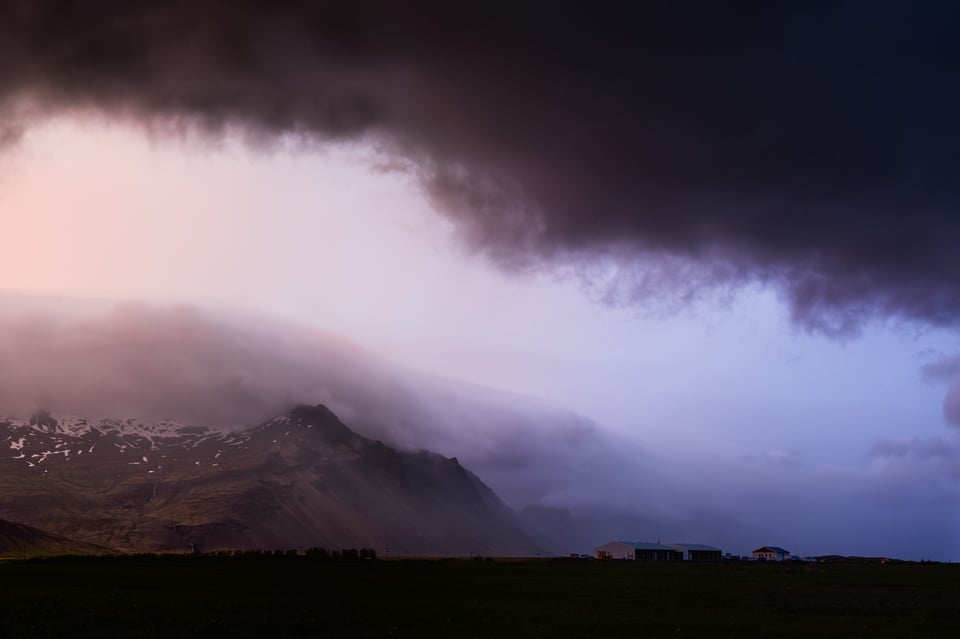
x: 760, y: 295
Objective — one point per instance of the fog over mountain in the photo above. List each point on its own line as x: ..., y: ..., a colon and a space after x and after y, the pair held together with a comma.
x: 677, y: 269
x: 575, y: 483
x: 182, y: 363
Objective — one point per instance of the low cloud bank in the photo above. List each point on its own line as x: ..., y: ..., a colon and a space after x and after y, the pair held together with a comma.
x: 135, y: 360
x: 582, y: 484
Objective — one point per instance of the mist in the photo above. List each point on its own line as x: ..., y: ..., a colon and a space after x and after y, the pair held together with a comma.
x: 575, y: 482
x: 231, y: 371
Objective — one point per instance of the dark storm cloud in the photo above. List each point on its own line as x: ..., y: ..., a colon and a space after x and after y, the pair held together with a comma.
x: 812, y: 148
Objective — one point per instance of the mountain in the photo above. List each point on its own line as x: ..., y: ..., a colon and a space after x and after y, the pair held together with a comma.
x: 300, y: 479
x: 19, y: 540
x: 206, y: 367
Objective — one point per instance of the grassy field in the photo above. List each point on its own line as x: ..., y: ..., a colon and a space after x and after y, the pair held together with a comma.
x: 275, y: 597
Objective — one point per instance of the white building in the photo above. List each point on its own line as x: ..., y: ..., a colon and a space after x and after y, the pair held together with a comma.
x: 615, y: 550
x: 771, y: 553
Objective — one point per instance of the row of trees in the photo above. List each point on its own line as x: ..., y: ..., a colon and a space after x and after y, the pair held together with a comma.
x: 345, y: 554
x: 312, y: 554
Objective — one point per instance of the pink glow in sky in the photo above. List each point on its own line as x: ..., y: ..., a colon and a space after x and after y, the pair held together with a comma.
x: 324, y: 238
x: 712, y: 238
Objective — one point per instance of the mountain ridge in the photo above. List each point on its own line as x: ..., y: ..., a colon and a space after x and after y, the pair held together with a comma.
x: 299, y: 479
x: 21, y: 541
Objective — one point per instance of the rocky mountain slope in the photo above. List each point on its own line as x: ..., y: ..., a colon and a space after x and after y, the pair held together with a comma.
x: 18, y: 540
x: 301, y: 479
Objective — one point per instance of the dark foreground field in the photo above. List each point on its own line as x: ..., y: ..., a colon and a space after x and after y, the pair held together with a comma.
x: 266, y: 597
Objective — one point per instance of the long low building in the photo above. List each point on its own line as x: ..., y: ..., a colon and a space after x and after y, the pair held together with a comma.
x: 648, y: 551
x: 637, y: 551
x: 699, y: 552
